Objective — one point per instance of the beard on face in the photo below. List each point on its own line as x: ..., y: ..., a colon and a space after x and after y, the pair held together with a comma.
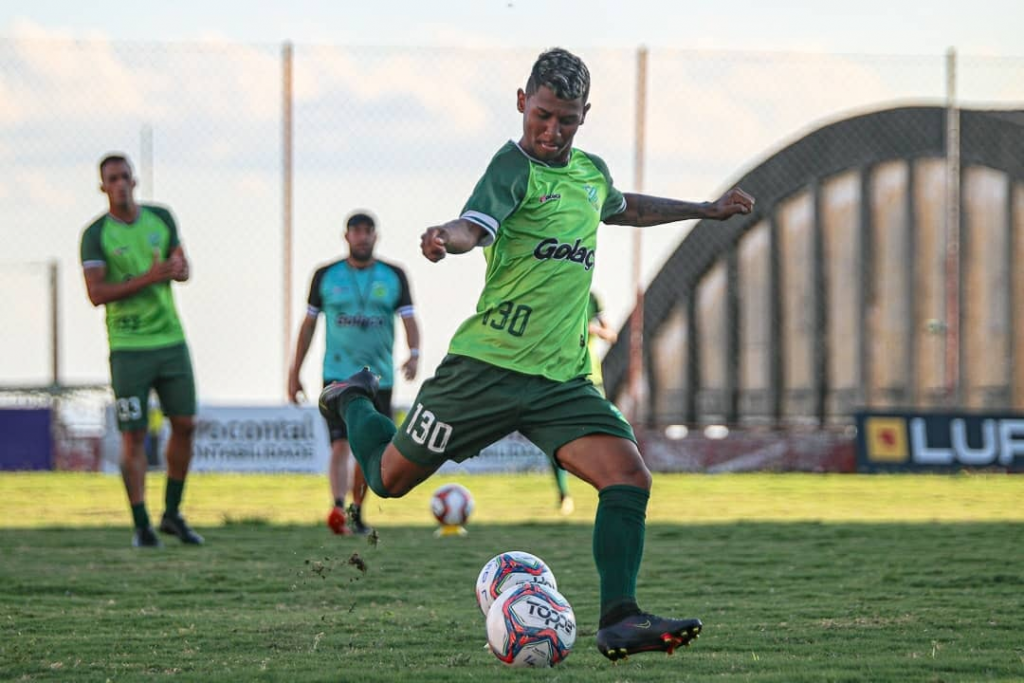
x: 361, y: 253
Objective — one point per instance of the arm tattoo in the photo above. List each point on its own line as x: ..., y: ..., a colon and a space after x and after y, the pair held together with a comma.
x: 643, y: 210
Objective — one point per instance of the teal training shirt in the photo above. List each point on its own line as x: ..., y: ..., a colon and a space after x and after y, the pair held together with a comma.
x: 359, y: 305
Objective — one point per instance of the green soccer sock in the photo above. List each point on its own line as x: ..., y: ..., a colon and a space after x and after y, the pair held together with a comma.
x: 619, y: 547
x: 562, y: 479
x: 140, y: 516
x: 369, y: 433
x: 172, y: 496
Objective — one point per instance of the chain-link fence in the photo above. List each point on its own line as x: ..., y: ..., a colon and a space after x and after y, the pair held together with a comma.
x: 406, y: 133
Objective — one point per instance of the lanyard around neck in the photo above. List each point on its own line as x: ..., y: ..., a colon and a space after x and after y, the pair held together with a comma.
x: 362, y: 296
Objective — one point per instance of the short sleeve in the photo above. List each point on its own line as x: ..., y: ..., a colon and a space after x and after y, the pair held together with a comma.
x: 91, y: 251
x: 315, y: 301
x: 614, y: 202
x: 593, y: 307
x: 499, y: 192
x: 404, y: 304
x: 167, y: 218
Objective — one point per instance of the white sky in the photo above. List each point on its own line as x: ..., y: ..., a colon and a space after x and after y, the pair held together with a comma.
x: 862, y: 26
x: 717, y: 116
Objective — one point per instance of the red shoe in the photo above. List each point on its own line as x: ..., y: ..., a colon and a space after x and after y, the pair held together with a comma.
x: 336, y: 521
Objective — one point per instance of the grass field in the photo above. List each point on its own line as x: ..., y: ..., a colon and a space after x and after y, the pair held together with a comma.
x: 797, y: 578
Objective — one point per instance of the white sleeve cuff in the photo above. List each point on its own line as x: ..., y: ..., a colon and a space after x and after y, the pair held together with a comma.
x: 486, y: 222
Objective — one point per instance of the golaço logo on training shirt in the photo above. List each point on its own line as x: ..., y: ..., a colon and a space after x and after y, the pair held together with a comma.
x: 359, y: 320
x: 552, y: 249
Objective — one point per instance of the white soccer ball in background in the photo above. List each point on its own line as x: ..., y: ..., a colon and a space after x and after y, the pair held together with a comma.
x: 508, y: 570
x: 531, y: 625
x: 452, y: 504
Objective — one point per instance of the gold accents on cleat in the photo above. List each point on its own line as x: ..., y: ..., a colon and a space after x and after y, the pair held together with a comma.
x: 617, y: 654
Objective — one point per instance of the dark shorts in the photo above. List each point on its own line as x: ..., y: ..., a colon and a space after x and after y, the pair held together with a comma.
x: 468, y: 405
x: 336, y: 427
x: 133, y: 373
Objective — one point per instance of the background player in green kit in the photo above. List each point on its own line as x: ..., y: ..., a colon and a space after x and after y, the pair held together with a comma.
x: 521, y: 361
x: 130, y: 255
x: 359, y: 297
x: 597, y: 328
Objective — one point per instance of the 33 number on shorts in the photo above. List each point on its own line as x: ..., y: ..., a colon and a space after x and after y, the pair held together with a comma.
x: 129, y: 409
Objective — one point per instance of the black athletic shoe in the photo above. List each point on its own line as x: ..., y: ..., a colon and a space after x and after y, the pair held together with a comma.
x: 177, y: 526
x: 363, y: 383
x: 646, y: 633
x: 146, y: 538
x: 355, y: 521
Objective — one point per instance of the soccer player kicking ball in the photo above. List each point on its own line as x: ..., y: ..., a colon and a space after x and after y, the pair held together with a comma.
x: 521, y: 362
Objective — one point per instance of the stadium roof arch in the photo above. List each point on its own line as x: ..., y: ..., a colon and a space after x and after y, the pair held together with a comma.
x: 992, y: 139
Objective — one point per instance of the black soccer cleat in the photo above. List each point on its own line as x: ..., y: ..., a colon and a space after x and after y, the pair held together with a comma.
x: 646, y: 633
x: 363, y: 383
x: 145, y: 537
x: 176, y: 525
x: 355, y: 521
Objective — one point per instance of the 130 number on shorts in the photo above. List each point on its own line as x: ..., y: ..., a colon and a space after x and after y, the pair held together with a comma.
x: 425, y: 429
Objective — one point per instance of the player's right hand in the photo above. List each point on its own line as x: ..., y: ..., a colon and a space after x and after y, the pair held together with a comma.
x: 296, y: 394
x: 432, y: 243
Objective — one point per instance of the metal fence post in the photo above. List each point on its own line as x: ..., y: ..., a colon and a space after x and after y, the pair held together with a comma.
x: 636, y: 334
x: 952, y: 265
x: 286, y: 199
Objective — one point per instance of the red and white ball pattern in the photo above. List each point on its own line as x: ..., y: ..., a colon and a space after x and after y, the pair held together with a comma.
x: 452, y: 504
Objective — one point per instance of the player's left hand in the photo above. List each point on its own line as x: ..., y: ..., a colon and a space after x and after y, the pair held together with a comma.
x: 410, y: 366
x: 731, y: 203
x: 179, y: 265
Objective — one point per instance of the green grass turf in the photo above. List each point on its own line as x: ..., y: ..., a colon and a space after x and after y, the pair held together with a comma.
x: 797, y: 578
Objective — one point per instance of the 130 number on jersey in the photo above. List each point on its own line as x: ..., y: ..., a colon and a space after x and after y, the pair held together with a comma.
x: 509, y: 317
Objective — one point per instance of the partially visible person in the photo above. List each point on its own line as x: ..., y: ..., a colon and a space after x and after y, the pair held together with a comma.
x: 359, y: 296
x: 154, y: 424
x: 597, y: 328
x: 130, y: 256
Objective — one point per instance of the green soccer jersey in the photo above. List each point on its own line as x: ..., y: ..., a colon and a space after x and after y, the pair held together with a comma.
x: 541, y: 223
x: 148, y: 319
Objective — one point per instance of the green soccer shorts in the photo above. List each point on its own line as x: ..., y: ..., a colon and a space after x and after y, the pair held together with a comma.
x: 469, y: 404
x: 134, y: 372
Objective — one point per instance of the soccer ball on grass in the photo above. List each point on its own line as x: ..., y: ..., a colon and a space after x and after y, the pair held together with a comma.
x: 507, y: 570
x: 451, y: 505
x: 531, y: 625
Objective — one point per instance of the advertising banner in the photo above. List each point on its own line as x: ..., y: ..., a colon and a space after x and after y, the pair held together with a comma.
x: 939, y: 442
x: 260, y: 439
x: 26, y: 442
